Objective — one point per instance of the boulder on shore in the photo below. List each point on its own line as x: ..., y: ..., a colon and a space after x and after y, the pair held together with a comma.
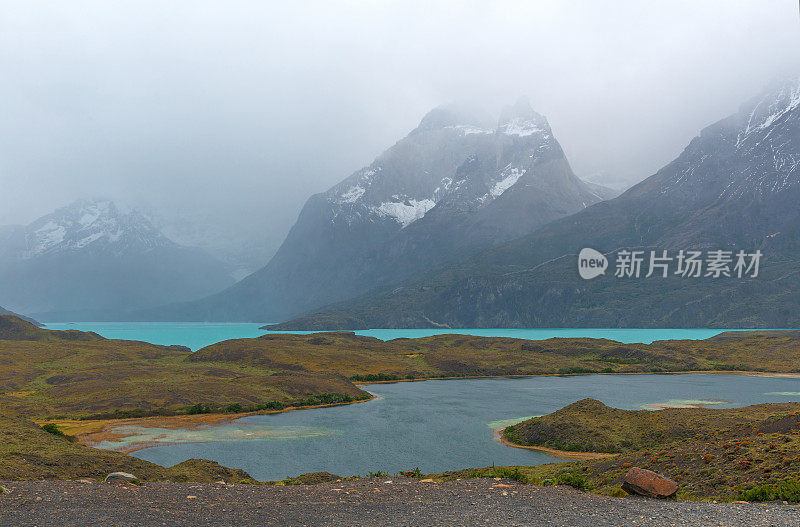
x: 121, y: 477
x: 648, y: 483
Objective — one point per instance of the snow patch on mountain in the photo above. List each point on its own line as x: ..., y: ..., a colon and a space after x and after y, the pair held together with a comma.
x: 48, y: 236
x: 405, y: 212
x: 355, y: 192
x: 467, y: 129
x: 352, y: 194
x: 770, y: 109
x: 787, y: 101
x: 510, y: 177
x: 522, y: 128
x: 444, y: 186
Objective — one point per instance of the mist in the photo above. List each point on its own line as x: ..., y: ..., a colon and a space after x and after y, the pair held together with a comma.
x: 242, y: 112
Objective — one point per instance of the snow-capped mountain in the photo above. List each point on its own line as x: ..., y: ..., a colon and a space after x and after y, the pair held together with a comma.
x: 91, y: 257
x: 761, y: 146
x: 94, y: 225
x: 740, y: 179
x: 735, y: 187
x: 455, y: 185
x: 450, y: 158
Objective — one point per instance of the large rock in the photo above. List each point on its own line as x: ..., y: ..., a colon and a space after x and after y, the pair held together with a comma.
x: 648, y: 483
x: 121, y: 477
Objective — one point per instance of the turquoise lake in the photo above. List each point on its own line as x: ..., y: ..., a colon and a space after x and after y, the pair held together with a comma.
x: 198, y: 334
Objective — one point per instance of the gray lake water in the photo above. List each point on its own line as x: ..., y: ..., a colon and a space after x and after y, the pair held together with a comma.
x: 440, y: 425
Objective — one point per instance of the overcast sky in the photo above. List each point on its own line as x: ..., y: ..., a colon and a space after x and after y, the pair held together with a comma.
x: 247, y: 108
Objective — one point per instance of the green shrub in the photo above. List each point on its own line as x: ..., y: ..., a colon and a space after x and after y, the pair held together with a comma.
x: 199, y: 408
x: 787, y: 490
x: 272, y: 405
x: 568, y: 478
x: 575, y: 370
x: 51, y: 428
x: 373, y: 377
x: 510, y: 473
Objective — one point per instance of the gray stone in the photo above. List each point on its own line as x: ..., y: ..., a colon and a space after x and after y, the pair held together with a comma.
x: 121, y: 477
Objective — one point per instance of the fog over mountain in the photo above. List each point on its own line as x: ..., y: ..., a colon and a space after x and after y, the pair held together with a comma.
x: 237, y: 116
x: 736, y: 186
x: 454, y: 185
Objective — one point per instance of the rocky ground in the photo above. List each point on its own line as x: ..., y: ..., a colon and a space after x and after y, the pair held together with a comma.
x: 370, y: 501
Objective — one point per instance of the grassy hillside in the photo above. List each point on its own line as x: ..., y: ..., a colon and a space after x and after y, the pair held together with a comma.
x: 73, y: 374
x: 13, y: 327
x: 4, y: 311
x: 28, y: 452
x: 591, y: 426
x: 743, y: 453
x: 367, y: 358
x: 48, y: 374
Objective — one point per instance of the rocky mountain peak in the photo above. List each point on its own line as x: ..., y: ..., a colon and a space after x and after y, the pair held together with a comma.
x: 773, y: 108
x: 411, y: 178
x: 91, y: 224
x: 750, y: 155
x: 520, y: 119
x: 452, y: 116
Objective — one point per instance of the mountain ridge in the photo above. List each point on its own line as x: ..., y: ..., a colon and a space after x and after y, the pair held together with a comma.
x: 93, y: 259
x: 736, y: 186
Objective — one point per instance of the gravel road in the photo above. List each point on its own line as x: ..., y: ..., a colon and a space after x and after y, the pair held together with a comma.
x: 372, y: 501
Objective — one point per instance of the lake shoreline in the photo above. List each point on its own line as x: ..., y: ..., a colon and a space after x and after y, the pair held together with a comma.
x: 93, y: 432
x: 525, y: 375
x: 560, y: 454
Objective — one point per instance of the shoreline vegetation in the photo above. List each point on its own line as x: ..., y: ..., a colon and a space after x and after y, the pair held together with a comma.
x: 560, y: 454
x: 71, y: 378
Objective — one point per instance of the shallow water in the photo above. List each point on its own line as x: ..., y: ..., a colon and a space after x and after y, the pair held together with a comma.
x: 441, y: 425
x: 198, y: 334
